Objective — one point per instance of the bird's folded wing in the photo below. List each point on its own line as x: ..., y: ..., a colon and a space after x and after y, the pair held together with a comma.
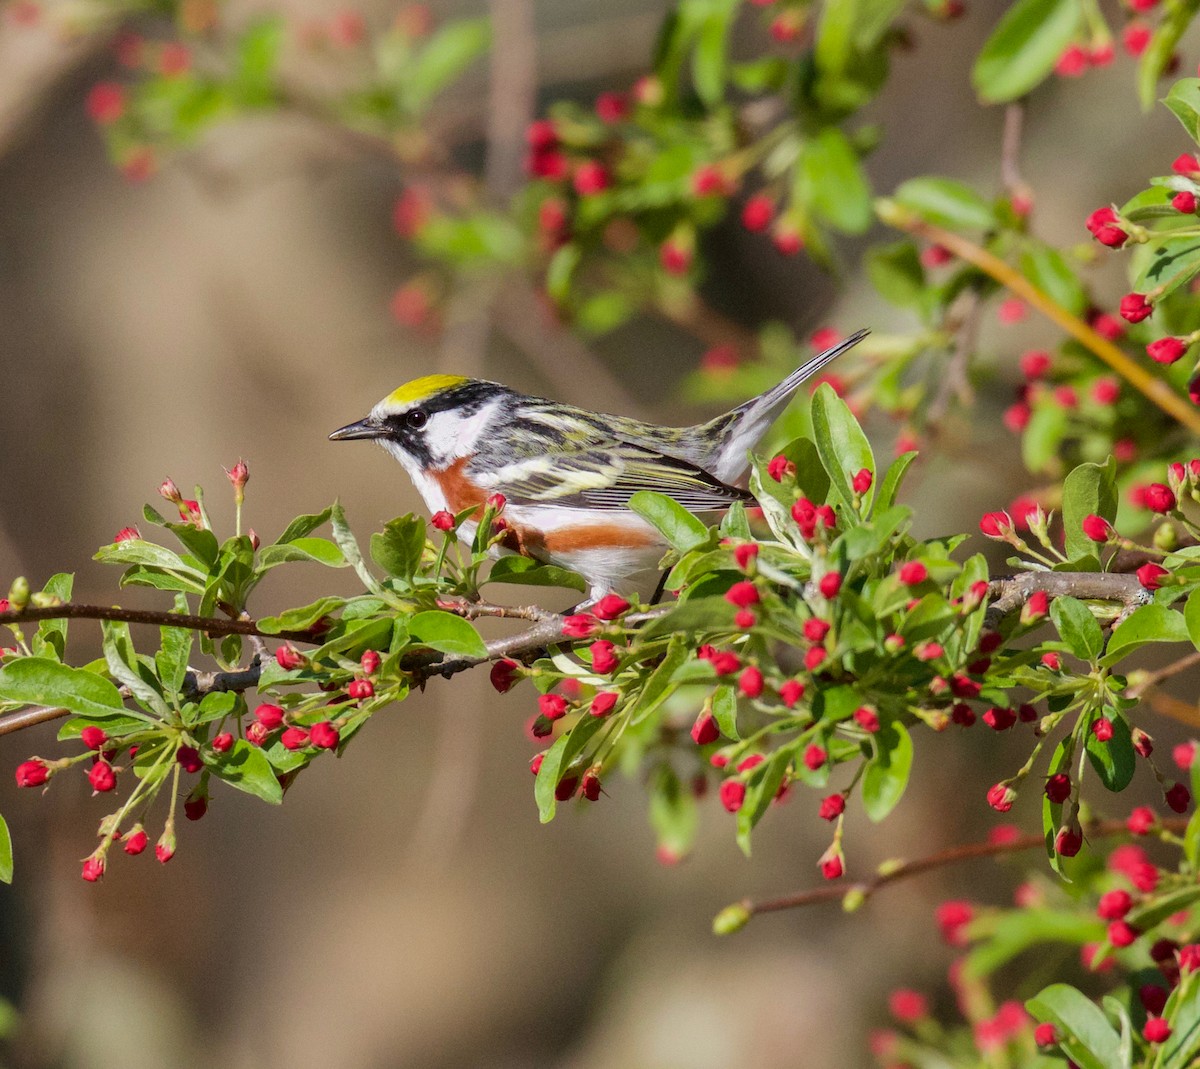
x: 606, y: 478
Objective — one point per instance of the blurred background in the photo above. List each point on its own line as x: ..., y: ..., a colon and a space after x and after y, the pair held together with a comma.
x: 404, y: 907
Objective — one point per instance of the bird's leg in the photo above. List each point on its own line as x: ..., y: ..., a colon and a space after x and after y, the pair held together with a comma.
x: 661, y: 588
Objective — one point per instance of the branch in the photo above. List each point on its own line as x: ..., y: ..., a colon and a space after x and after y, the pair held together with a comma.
x: 1156, y: 390
x: 1009, y: 593
x: 894, y: 871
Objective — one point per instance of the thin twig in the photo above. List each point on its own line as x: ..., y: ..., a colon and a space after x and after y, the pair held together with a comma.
x: 1156, y: 390
x: 1149, y: 680
x: 954, y: 381
x: 1010, y: 152
x: 894, y: 871
x: 210, y: 625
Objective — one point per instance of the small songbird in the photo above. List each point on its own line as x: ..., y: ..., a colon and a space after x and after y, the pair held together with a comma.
x: 567, y: 474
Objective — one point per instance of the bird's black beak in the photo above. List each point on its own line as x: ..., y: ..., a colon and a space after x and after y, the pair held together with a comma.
x: 364, y: 428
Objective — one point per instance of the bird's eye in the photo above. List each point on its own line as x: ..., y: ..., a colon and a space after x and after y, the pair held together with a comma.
x: 417, y: 418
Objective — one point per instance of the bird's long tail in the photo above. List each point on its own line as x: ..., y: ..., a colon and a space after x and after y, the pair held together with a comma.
x: 747, y: 423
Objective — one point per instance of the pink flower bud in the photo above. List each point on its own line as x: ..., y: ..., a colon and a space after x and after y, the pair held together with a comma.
x: 705, y: 730
x: 742, y: 594
x: 223, y: 743
x: 135, y: 842
x: 126, y: 534
x: 1102, y: 728
x: 93, y: 737
x: 1134, y: 307
x: 1001, y: 797
x: 830, y: 584
x: 591, y: 177
x: 442, y: 520
x: 1156, y: 1030
x: 189, y: 759
x: 102, y: 777
x: 360, y: 690
x: 996, y: 524
x: 369, y: 662
x: 780, y: 467
x: 324, y: 736
x: 791, y: 692
x: 294, y: 738
x: 581, y: 625
x: 610, y: 607
x: 832, y: 807
x: 603, y: 703
x: 504, y: 675
x: 815, y: 756
x: 93, y: 869
x: 861, y: 482
x: 913, y: 573
x: 1151, y: 575
x: 552, y: 706
x: 732, y: 794
x: 270, y: 716
x: 867, y: 719
x: 32, y: 773
x: 604, y: 657
x: 1166, y: 350
x: 758, y: 213
x: 1113, y: 905
x: 1141, y: 820
x: 750, y: 682
x: 289, y: 659
x: 1096, y: 528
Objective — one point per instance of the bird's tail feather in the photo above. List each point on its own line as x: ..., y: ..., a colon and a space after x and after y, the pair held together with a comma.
x: 747, y: 423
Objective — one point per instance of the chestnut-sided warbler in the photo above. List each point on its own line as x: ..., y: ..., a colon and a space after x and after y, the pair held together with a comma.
x: 567, y: 474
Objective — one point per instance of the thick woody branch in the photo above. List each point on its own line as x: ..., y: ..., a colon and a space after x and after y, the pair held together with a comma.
x: 895, y: 871
x: 1009, y: 593
x: 210, y: 625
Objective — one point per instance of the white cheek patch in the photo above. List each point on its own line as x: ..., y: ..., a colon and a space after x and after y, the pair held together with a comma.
x: 450, y: 435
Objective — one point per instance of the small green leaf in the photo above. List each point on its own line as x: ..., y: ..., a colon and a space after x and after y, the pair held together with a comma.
x: 399, y: 547
x: 1191, y: 617
x: 760, y: 791
x: 246, y: 767
x: 678, y: 526
x: 52, y: 634
x: 1078, y: 628
x: 318, y: 550
x: 1042, y: 441
x: 1024, y: 47
x: 840, y: 441
x: 1113, y: 760
x: 672, y: 812
x: 710, y: 59
x: 447, y: 633
x: 1183, y: 1011
x: 1183, y: 100
x: 528, y: 572
x: 1146, y: 624
x: 947, y: 203
x: 724, y: 710
x: 661, y: 684
x: 1160, y: 52
x: 558, y: 759
x: 1018, y: 931
x: 6, y: 853
x: 1090, y: 489
x: 175, y: 647
x: 302, y: 526
x: 449, y: 52
x: 36, y: 681
x: 889, y: 487
x: 300, y: 619
x: 830, y: 178
x: 895, y: 271
x: 1086, y: 1037
x: 887, y: 772
x: 1049, y: 271
x: 344, y: 537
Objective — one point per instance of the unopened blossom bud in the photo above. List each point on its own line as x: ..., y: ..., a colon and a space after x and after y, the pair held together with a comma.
x: 18, y: 594
x: 164, y: 849
x: 1102, y: 728
x: 324, y: 736
x: 294, y: 738
x: 745, y: 619
x: 1045, y: 1034
x: 832, y: 807
x: 238, y: 475
x: 1069, y: 840
x: 604, y: 657
x: 189, y: 759
x: 1151, y: 575
x: 705, y: 729
x: 580, y: 625
x: 194, y: 808
x: 831, y: 866
x: 269, y: 716
x: 830, y: 584
x: 1036, y: 607
x: 289, y: 659
x: 1105, y: 226
x: 1186, y: 164
x: 1058, y: 788
x: 369, y: 662
x: 170, y: 491
x: 1166, y: 350
x: 102, y: 777
x: 1143, y: 744
x: 442, y: 520
x: 360, y: 689
x: 867, y: 719
x: 135, y: 842
x: 603, y: 703
x: 815, y: 629
x: 126, y: 534
x: 996, y: 525
x: 912, y: 573
x: 256, y: 734
x: 780, y: 468
x: 32, y: 773
x: 861, y: 482
x: 750, y: 682
x: 743, y: 594
x: 1184, y: 202
x: 1001, y: 797
x: 552, y: 706
x: 791, y: 692
x: 1096, y: 528
x: 223, y: 743
x: 1141, y: 820
x: 1184, y: 755
x: 744, y: 554
x: 732, y: 794
x: 93, y: 868
x: 815, y: 756
x: 93, y: 737
x: 1113, y: 905
x: 590, y: 787
x: 1156, y: 1030
x: 1135, y: 307
x: 504, y: 675
x: 1178, y: 797
x: 610, y: 607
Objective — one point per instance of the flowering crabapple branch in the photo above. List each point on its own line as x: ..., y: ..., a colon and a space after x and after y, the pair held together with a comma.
x: 893, y: 871
x: 1154, y: 389
x: 1009, y: 593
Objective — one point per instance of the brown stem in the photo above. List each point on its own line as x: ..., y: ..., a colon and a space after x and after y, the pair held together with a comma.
x: 1149, y: 680
x: 210, y: 625
x: 893, y: 872
x: 1009, y: 593
x: 1010, y: 151
x: 1154, y: 389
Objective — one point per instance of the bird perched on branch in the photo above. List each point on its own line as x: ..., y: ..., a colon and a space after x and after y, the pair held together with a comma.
x: 567, y: 474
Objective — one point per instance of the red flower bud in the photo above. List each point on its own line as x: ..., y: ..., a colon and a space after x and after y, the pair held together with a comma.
x: 1134, y: 307
x: 256, y: 734
x: 830, y: 584
x: 1113, y: 905
x: 93, y: 869
x: 861, y: 482
x: 164, y: 851
x: 832, y: 807
x: 324, y: 736
x: 135, y: 842
x: 1104, y: 226
x: 93, y: 737
x: 814, y: 658
x: 1096, y: 528
x: 591, y: 177
x: 724, y: 662
x: 744, y: 554
x: 591, y: 786
x: 742, y: 594
x: 289, y: 659
x: 581, y: 625
x: 442, y: 520
x: 1166, y: 350
x: 996, y: 524
x: 195, y: 808
x: 1186, y: 164
x: 1102, y: 728
x: 791, y: 692
x: 102, y: 777
x: 360, y: 689
x: 294, y: 738
x: 503, y: 675
x: 612, y: 107
x: 223, y: 743
x: 1156, y: 1030
x: 105, y: 103
x: 1141, y: 820
x: 1184, y: 755
x: 867, y: 719
x: 1045, y: 1034
x: 1001, y: 797
x: 1058, y: 788
x: 270, y: 716
x: 1035, y: 363
x: 815, y: 630
x: 913, y: 573
x: 1184, y: 202
x: 1068, y: 842
x: 1151, y: 575
x: 552, y: 706
x: 705, y: 730
x: 750, y: 682
x: 675, y: 257
x: 1073, y: 62
x: 832, y: 868
x: 126, y: 534
x: 189, y: 759
x: 369, y: 662
x: 758, y: 212
x: 999, y: 718
x: 604, y: 659
x: 604, y: 703
x: 815, y: 756
x: 1179, y: 798
x: 610, y: 607
x: 908, y: 1006
x: 732, y: 794
x: 779, y: 467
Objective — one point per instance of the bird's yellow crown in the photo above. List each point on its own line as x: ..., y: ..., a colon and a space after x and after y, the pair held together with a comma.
x: 422, y: 388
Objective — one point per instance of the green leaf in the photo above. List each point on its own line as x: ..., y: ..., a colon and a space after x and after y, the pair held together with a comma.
x: 1191, y: 617
x: 1165, y: 263
x: 246, y: 767
x: 136, y: 551
x: 449, y: 52
x: 724, y: 710
x: 710, y: 60
x: 760, y: 791
x: 885, y: 496
x: 37, y: 681
x: 1041, y: 442
x: 672, y: 812
x: 661, y: 684
x: 52, y: 634
x: 125, y: 666
x: 257, y: 56
x: 895, y: 271
x: 528, y: 572
x: 318, y: 550
x: 558, y: 759
x: 302, y: 526
x: 947, y: 203
x: 1183, y: 100
x: 1113, y: 760
x: 1183, y: 1011
x: 1078, y: 628
x: 1024, y: 47
x: 678, y: 526
x: 1159, y: 908
x: 6, y: 853
x: 830, y: 178
x: 1160, y: 52
x: 840, y: 441
x: 344, y: 537
x: 1090, y: 489
x: 1086, y: 1036
x: 1019, y: 931
x: 398, y: 548
x: 447, y: 633
x: 1049, y: 271
x: 887, y: 772
x: 300, y: 619
x: 1146, y: 624
x: 175, y: 647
